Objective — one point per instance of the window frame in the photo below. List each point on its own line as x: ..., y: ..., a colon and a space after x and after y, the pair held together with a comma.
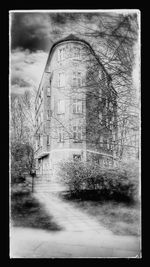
x: 48, y: 91
x: 61, y: 108
x: 76, y: 55
x: 77, y: 157
x: 77, y: 106
x: 61, y: 54
x: 60, y: 84
x: 100, y: 116
x: 100, y: 74
x: 101, y: 140
x: 48, y: 114
x: 76, y: 133
x: 77, y: 79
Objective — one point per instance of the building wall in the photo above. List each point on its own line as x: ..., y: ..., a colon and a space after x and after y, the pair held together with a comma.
x: 65, y: 80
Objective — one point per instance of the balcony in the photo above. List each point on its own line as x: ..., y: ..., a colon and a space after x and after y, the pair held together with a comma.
x: 40, y: 153
x: 43, y: 154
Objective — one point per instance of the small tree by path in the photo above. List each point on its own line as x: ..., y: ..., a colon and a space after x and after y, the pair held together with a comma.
x: 22, y: 162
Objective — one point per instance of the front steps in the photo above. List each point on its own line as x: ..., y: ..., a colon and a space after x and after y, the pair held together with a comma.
x: 46, y: 185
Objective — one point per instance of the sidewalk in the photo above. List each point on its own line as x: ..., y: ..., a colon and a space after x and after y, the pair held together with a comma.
x: 81, y: 236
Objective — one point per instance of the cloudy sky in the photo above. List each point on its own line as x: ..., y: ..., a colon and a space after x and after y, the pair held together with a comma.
x: 32, y: 35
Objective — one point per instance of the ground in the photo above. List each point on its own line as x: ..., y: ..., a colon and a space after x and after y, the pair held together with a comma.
x: 81, y: 235
x: 120, y: 218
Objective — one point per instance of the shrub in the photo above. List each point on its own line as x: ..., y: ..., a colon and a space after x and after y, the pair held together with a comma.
x: 89, y: 181
x: 22, y: 161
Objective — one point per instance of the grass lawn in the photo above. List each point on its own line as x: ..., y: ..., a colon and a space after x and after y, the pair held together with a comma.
x: 26, y: 211
x: 120, y: 218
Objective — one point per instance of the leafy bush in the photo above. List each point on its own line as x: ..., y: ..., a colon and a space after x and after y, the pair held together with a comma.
x: 22, y: 161
x: 88, y: 180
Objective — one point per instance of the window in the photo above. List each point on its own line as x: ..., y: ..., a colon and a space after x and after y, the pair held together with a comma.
x: 111, y: 106
x: 77, y: 106
x: 48, y: 91
x: 104, y: 162
x: 100, y: 93
x: 77, y: 133
x: 48, y: 114
x: 105, y: 143
x: 61, y: 107
x: 100, y: 116
x: 77, y: 157
x: 77, y: 52
x: 61, y: 54
x: 48, y: 140
x: 77, y: 79
x: 100, y: 74
x: 110, y: 126
x: 61, y: 134
x: 101, y: 141
x: 61, y: 79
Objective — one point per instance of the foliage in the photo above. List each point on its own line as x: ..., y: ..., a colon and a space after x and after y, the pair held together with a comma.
x: 22, y: 161
x: 90, y: 181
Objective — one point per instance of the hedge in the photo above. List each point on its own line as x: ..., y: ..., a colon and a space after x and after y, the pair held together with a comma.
x: 89, y: 181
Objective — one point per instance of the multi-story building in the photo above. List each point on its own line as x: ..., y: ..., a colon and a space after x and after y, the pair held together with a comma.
x: 75, y: 108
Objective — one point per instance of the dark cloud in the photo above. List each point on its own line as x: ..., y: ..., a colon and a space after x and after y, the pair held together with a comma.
x: 38, y: 31
x: 62, y: 18
x: 59, y: 18
x: 30, y: 31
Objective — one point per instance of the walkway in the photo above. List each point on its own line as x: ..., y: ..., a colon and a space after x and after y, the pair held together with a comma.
x: 81, y: 236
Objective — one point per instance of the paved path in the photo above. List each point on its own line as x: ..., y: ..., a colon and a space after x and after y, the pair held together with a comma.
x: 81, y: 236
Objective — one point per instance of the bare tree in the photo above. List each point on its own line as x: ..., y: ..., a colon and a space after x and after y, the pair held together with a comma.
x: 22, y: 117
x: 113, y: 43
x: 22, y: 135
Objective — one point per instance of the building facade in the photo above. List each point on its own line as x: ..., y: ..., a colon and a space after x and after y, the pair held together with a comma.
x: 75, y: 108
